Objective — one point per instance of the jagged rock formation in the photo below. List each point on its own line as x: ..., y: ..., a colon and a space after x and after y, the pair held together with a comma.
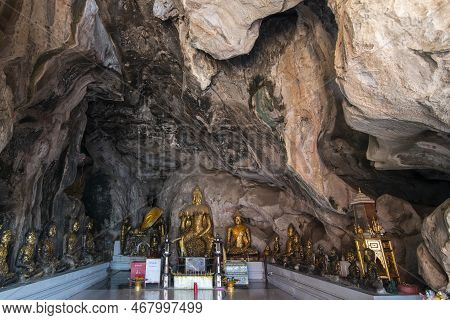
x: 401, y: 45
x: 436, y: 237
x: 111, y: 108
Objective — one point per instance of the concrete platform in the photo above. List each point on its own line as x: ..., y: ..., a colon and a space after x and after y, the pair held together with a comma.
x: 308, y: 287
x: 116, y: 287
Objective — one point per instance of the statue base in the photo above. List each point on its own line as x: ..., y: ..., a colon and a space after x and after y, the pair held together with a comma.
x: 186, y: 281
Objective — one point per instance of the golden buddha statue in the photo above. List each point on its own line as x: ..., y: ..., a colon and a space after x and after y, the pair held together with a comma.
x: 371, y: 276
x: 6, y: 277
x: 333, y: 263
x: 276, y: 251
x: 298, y: 256
x: 47, y: 251
x: 26, y: 258
x: 267, y: 251
x: 90, y: 240
x: 309, y: 255
x: 196, y: 228
x: 291, y: 232
x: 73, y: 246
x: 125, y: 229
x: 320, y: 261
x: 147, y: 234
x: 239, y: 241
x: 89, y: 243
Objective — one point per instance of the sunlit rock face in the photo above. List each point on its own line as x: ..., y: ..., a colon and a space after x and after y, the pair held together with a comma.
x: 226, y: 30
x: 129, y: 104
x: 392, y: 64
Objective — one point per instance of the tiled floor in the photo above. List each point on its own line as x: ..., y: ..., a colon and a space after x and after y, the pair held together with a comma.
x: 117, y: 288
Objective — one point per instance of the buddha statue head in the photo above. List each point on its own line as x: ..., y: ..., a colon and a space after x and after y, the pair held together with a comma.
x: 291, y: 230
x: 237, y: 218
x: 6, y: 237
x: 197, y: 196
x: 76, y: 226
x: 90, y: 225
x: 51, y: 232
x: 31, y: 238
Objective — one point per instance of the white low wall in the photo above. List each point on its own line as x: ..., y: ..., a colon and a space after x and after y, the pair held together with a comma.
x: 306, y: 287
x: 61, y: 286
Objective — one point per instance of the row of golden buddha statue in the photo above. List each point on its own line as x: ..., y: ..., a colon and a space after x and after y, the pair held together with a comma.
x: 38, y: 257
x: 196, y: 237
x: 302, y: 257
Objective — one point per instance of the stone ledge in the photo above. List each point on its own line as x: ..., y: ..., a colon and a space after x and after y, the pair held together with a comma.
x: 62, y: 286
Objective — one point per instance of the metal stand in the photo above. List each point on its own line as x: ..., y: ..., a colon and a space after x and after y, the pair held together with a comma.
x: 166, y: 255
x: 218, y: 255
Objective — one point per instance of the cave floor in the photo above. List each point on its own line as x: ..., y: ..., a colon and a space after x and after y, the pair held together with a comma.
x: 116, y: 288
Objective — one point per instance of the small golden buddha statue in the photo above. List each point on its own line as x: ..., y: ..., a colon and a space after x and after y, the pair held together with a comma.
x: 73, y: 246
x: 267, y: 251
x: 239, y: 241
x: 320, y: 261
x: 291, y: 232
x: 139, y: 239
x: 196, y: 228
x: 276, y: 251
x: 47, y: 251
x: 333, y: 263
x: 125, y: 229
x: 371, y: 276
x: 26, y: 258
x: 354, y: 273
x: 89, y: 243
x: 6, y: 277
x: 298, y: 256
x: 371, y: 273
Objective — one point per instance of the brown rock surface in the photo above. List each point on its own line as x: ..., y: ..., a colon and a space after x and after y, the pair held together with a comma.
x: 430, y: 270
x: 436, y: 236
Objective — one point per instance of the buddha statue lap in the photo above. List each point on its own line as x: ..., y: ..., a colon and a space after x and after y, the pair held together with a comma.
x: 196, y: 228
x: 47, y: 252
x: 6, y: 277
x: 239, y: 241
x: 26, y: 266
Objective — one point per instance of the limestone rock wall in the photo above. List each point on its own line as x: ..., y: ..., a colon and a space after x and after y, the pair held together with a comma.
x: 109, y: 108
